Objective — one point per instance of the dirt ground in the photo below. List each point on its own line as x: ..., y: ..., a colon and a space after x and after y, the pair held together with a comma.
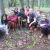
x: 23, y: 40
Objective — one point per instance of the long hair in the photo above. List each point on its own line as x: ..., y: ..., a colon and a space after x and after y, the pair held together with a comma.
x: 5, y: 19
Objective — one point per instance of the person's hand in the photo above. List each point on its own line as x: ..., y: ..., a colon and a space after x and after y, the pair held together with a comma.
x: 29, y: 25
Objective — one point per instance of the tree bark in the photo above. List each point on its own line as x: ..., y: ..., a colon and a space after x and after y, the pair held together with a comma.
x: 1, y: 7
x: 22, y: 3
x: 28, y: 3
x: 39, y: 4
x: 32, y: 1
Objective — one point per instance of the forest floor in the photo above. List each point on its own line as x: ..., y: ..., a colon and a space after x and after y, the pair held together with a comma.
x: 23, y: 40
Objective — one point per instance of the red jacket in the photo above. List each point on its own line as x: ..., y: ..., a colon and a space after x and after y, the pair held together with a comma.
x: 12, y: 18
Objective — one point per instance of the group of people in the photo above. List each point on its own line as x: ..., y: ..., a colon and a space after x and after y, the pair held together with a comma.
x: 27, y: 18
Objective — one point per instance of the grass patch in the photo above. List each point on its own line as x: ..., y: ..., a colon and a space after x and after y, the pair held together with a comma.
x: 29, y: 46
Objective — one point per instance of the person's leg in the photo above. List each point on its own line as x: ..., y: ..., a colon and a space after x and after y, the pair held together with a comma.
x: 13, y: 25
x: 9, y: 25
x: 45, y: 31
x: 35, y: 26
x: 31, y: 27
x: 6, y: 28
x: 28, y: 22
x: 2, y: 33
x: 24, y: 23
x: 27, y: 25
x: 48, y: 32
x: 19, y: 21
x: 42, y: 30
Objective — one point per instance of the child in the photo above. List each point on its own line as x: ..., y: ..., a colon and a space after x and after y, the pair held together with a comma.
x: 12, y: 21
x: 3, y: 25
x: 44, y: 26
x: 4, y: 19
x: 16, y: 11
x: 23, y: 17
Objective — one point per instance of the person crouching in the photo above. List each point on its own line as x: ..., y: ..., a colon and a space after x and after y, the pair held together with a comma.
x: 33, y: 25
x: 45, y: 27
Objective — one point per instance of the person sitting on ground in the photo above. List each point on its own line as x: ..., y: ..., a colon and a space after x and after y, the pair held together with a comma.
x: 4, y: 24
x: 45, y: 25
x: 12, y: 21
x: 4, y: 19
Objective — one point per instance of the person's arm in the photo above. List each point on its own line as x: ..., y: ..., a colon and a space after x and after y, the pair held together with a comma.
x: 41, y: 24
x: 33, y: 22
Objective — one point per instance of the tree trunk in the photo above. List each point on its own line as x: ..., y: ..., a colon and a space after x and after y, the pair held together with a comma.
x: 27, y: 3
x: 22, y: 3
x: 39, y: 4
x: 6, y: 3
x: 32, y: 1
x: 1, y: 7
